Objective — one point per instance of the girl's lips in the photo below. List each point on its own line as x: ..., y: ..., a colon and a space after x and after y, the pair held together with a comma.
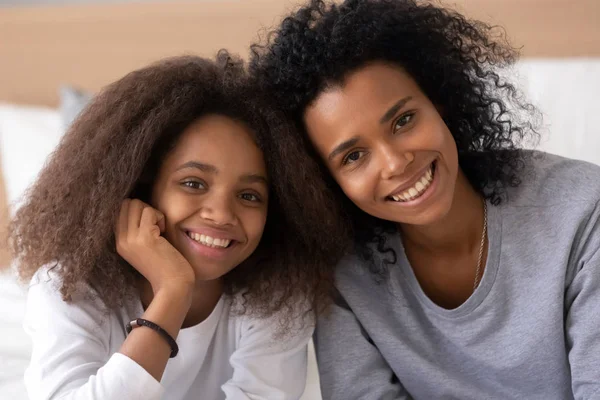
x: 214, y: 233
x: 216, y: 253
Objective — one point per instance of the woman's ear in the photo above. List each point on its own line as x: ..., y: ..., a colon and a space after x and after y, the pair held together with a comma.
x: 440, y: 110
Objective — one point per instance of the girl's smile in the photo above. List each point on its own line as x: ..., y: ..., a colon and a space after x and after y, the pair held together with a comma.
x: 213, y: 190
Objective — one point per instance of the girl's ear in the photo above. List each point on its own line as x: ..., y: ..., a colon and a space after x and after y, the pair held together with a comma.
x: 143, y: 187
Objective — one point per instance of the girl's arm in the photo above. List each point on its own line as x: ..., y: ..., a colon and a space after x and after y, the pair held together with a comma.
x: 139, y: 242
x: 145, y: 346
x: 72, y: 357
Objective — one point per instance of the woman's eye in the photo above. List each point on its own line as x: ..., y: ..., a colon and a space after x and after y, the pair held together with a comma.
x: 194, y: 185
x: 403, y: 121
x: 250, y: 197
x: 352, y: 157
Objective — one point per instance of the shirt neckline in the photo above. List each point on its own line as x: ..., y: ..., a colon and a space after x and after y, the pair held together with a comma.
x: 487, y: 281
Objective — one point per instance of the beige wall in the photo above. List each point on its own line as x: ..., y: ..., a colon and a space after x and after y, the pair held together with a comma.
x: 89, y: 46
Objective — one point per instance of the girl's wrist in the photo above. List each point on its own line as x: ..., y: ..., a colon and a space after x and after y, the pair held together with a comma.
x: 174, y: 287
x: 169, y: 307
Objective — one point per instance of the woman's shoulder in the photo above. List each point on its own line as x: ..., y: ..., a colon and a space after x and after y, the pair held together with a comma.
x: 549, y: 180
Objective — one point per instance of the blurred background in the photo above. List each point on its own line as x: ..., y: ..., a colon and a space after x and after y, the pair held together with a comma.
x: 55, y: 54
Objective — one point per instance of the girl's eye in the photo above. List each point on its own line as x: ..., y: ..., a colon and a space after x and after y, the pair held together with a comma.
x: 352, y: 157
x: 194, y: 185
x: 250, y: 197
x: 403, y: 121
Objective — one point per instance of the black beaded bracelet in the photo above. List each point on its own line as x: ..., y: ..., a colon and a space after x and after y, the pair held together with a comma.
x: 149, y: 324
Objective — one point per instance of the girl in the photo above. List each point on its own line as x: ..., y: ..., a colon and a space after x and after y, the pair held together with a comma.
x: 476, y: 273
x: 182, y: 273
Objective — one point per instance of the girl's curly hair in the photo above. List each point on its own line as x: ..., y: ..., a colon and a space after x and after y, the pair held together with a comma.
x: 113, y: 151
x: 454, y: 60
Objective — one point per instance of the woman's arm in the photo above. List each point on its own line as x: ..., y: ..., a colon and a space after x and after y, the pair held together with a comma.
x: 582, y: 303
x: 350, y: 365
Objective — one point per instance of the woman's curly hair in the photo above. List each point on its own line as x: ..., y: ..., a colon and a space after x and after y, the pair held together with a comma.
x: 113, y: 151
x: 454, y: 60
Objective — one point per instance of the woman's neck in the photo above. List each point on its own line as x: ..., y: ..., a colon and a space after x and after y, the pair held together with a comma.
x: 458, y: 231
x: 204, y: 299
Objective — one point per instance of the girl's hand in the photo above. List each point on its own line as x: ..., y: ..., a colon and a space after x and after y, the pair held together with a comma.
x: 139, y: 242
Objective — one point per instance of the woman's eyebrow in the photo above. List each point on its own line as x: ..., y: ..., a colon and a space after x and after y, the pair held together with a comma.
x: 394, y: 109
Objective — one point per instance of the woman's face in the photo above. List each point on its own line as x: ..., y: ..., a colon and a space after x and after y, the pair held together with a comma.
x: 386, y: 145
x: 213, y: 190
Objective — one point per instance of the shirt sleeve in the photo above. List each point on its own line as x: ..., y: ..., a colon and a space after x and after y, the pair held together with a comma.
x: 268, y: 365
x: 583, y: 313
x: 71, y: 357
x: 350, y: 365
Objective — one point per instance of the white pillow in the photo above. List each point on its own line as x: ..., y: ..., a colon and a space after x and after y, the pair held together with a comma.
x: 565, y: 91
x: 27, y: 136
x: 72, y: 103
x: 15, y: 345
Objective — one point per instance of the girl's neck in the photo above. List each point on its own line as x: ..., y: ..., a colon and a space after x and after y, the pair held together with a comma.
x: 204, y: 299
x: 458, y: 231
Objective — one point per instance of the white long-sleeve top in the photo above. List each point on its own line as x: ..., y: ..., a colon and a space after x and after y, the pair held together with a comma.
x: 227, y: 356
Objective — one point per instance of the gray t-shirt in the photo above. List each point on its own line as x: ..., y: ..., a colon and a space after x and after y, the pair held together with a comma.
x: 531, y: 330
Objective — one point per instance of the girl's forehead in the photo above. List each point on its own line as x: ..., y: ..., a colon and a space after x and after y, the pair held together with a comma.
x: 219, y: 141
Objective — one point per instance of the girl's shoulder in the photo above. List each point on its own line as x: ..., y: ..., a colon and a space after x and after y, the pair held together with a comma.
x: 48, y: 311
x: 291, y: 320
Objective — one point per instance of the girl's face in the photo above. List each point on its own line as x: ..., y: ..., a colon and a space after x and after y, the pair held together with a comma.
x: 213, y: 190
x: 386, y: 145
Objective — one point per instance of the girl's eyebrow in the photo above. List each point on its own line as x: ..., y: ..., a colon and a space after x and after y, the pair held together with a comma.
x: 198, y: 165
x: 254, y: 178
x: 211, y: 169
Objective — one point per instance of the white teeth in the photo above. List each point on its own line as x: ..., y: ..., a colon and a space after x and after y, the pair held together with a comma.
x: 417, y: 190
x: 209, y: 241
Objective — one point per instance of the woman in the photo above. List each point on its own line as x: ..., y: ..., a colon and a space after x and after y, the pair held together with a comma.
x: 476, y: 271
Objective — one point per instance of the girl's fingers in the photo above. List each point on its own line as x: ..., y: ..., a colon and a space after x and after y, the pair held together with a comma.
x: 135, y: 215
x: 161, y: 221
x: 152, y: 219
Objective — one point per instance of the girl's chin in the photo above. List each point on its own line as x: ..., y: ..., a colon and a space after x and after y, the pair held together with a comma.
x: 209, y: 276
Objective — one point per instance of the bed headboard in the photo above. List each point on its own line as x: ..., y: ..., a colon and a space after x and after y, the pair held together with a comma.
x: 88, y: 46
